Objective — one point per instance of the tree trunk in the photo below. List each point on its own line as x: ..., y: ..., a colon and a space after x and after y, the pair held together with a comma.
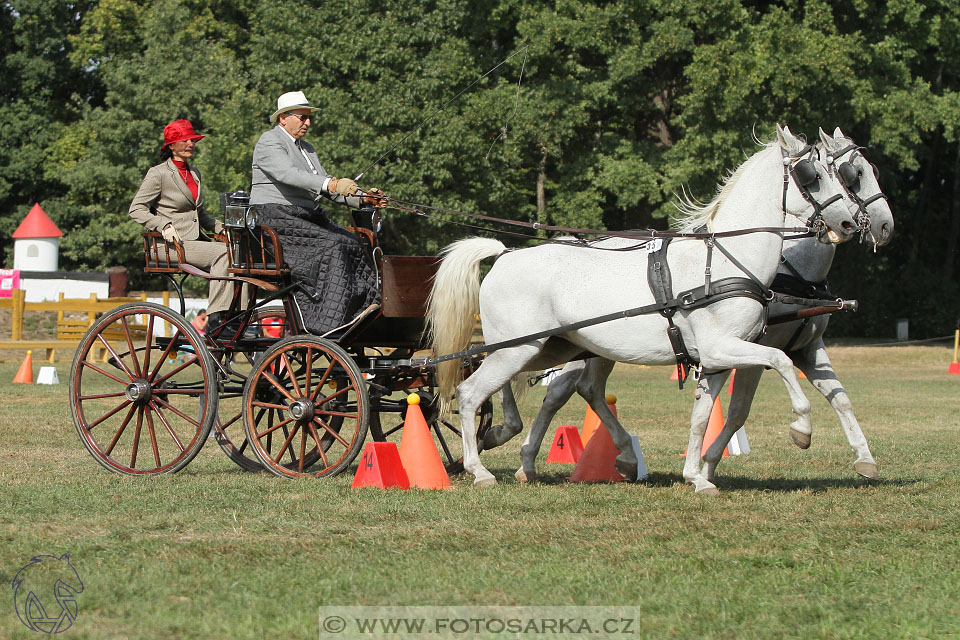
x: 949, y: 258
x: 541, y: 187
x: 926, y: 191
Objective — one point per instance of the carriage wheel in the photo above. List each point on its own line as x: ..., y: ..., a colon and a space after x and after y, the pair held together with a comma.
x: 147, y: 404
x: 386, y: 425
x: 305, y: 399
x: 228, y: 429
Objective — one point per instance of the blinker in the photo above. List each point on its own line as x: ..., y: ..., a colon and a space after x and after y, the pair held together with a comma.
x: 805, y: 173
x: 849, y: 175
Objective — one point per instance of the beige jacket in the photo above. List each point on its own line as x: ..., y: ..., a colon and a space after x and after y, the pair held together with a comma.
x: 164, y: 198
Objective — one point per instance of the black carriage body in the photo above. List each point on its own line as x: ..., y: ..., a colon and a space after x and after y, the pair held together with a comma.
x: 285, y: 401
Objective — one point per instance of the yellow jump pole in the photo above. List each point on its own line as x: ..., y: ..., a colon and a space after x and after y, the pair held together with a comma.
x: 955, y: 366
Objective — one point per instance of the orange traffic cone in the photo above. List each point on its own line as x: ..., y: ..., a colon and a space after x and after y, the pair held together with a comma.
x: 674, y: 375
x: 591, y: 420
x: 418, y: 453
x: 25, y: 372
x: 733, y: 374
x: 567, y: 447
x: 380, y: 467
x: 597, y: 464
x: 714, y: 427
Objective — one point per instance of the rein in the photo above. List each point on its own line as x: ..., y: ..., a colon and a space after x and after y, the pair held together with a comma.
x: 638, y: 234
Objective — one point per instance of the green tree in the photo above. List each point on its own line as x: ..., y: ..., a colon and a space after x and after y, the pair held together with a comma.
x: 42, y: 95
x: 159, y: 62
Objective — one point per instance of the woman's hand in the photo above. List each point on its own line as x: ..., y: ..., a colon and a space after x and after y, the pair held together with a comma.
x: 170, y: 234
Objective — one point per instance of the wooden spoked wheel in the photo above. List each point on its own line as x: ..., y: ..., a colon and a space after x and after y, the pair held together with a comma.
x: 388, y: 415
x: 228, y: 428
x: 143, y: 404
x: 305, y: 408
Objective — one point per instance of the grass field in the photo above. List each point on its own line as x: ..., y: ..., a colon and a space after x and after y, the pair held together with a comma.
x: 795, y: 547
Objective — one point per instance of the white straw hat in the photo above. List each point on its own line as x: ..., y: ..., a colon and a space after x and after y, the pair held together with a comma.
x: 289, y: 101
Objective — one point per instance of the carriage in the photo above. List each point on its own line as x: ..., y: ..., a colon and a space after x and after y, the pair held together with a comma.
x: 272, y: 395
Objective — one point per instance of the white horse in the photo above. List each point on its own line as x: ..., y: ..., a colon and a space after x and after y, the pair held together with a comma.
x: 807, y: 261
x: 555, y: 285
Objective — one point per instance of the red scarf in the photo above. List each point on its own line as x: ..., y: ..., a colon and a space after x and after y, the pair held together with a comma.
x: 187, y: 176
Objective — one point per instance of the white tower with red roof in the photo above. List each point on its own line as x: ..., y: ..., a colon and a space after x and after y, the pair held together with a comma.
x: 36, y: 245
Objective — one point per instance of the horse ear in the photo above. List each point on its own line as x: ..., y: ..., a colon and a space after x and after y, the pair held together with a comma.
x: 826, y: 138
x: 787, y: 140
x: 838, y: 134
x: 780, y: 136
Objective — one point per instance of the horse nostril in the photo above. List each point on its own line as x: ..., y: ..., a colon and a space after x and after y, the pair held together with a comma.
x: 886, y: 231
x: 848, y: 226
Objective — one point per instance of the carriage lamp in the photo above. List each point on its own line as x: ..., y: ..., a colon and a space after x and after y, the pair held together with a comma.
x: 237, y: 218
x: 234, y: 206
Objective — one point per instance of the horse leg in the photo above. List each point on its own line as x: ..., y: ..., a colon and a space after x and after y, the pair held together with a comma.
x: 704, y: 398
x: 743, y: 392
x: 512, y: 422
x: 592, y: 386
x: 495, y: 372
x: 558, y: 394
x: 815, y: 364
x: 733, y: 352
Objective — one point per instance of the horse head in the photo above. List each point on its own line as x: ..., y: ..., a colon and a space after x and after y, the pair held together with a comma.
x: 807, y: 183
x: 45, y: 593
x: 858, y: 179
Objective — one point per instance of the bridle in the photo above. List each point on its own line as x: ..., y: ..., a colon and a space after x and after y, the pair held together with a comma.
x: 800, y: 166
x: 848, y: 175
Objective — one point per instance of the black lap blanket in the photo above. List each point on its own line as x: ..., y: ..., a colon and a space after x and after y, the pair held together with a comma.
x: 337, y: 280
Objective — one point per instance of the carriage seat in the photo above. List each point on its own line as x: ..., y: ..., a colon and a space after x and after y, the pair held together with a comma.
x: 159, y: 255
x: 167, y: 258
x: 256, y: 253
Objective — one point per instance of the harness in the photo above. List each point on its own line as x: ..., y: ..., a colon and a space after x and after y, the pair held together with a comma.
x: 660, y: 281
x: 800, y: 167
x: 848, y: 175
x: 793, y: 284
x: 803, y: 173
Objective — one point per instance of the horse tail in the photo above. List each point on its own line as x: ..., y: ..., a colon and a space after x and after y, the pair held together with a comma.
x: 453, y: 304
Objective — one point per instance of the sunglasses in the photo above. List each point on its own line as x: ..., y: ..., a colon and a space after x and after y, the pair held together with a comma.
x: 303, y: 117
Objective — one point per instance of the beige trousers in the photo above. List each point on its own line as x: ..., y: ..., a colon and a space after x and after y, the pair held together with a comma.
x: 212, y: 257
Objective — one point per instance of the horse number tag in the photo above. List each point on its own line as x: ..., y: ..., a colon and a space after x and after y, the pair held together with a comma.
x: 654, y: 245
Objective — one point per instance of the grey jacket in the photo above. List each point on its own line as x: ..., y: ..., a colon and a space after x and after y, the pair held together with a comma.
x: 164, y: 198
x: 281, y: 174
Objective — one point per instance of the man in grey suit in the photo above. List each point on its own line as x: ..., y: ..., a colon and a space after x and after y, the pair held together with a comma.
x: 337, y: 280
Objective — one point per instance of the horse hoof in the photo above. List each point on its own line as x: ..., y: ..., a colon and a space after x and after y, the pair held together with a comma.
x: 802, y: 440
x: 867, y: 469
x: 484, y: 482
x: 627, y: 469
x: 523, y: 476
x: 702, y: 487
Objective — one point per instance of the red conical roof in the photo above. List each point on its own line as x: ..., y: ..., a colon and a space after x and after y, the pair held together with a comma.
x: 37, y: 224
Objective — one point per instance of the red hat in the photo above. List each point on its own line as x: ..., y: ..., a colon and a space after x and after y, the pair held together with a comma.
x: 178, y: 130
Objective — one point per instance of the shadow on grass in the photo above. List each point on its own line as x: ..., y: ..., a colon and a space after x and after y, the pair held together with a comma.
x: 731, y: 482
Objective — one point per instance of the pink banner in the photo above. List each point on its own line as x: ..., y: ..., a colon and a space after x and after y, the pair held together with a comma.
x: 9, y: 280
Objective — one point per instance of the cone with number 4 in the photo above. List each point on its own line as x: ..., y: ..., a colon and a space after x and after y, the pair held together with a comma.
x: 567, y: 447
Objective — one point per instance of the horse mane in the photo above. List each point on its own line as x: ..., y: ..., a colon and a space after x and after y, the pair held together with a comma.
x: 694, y: 214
